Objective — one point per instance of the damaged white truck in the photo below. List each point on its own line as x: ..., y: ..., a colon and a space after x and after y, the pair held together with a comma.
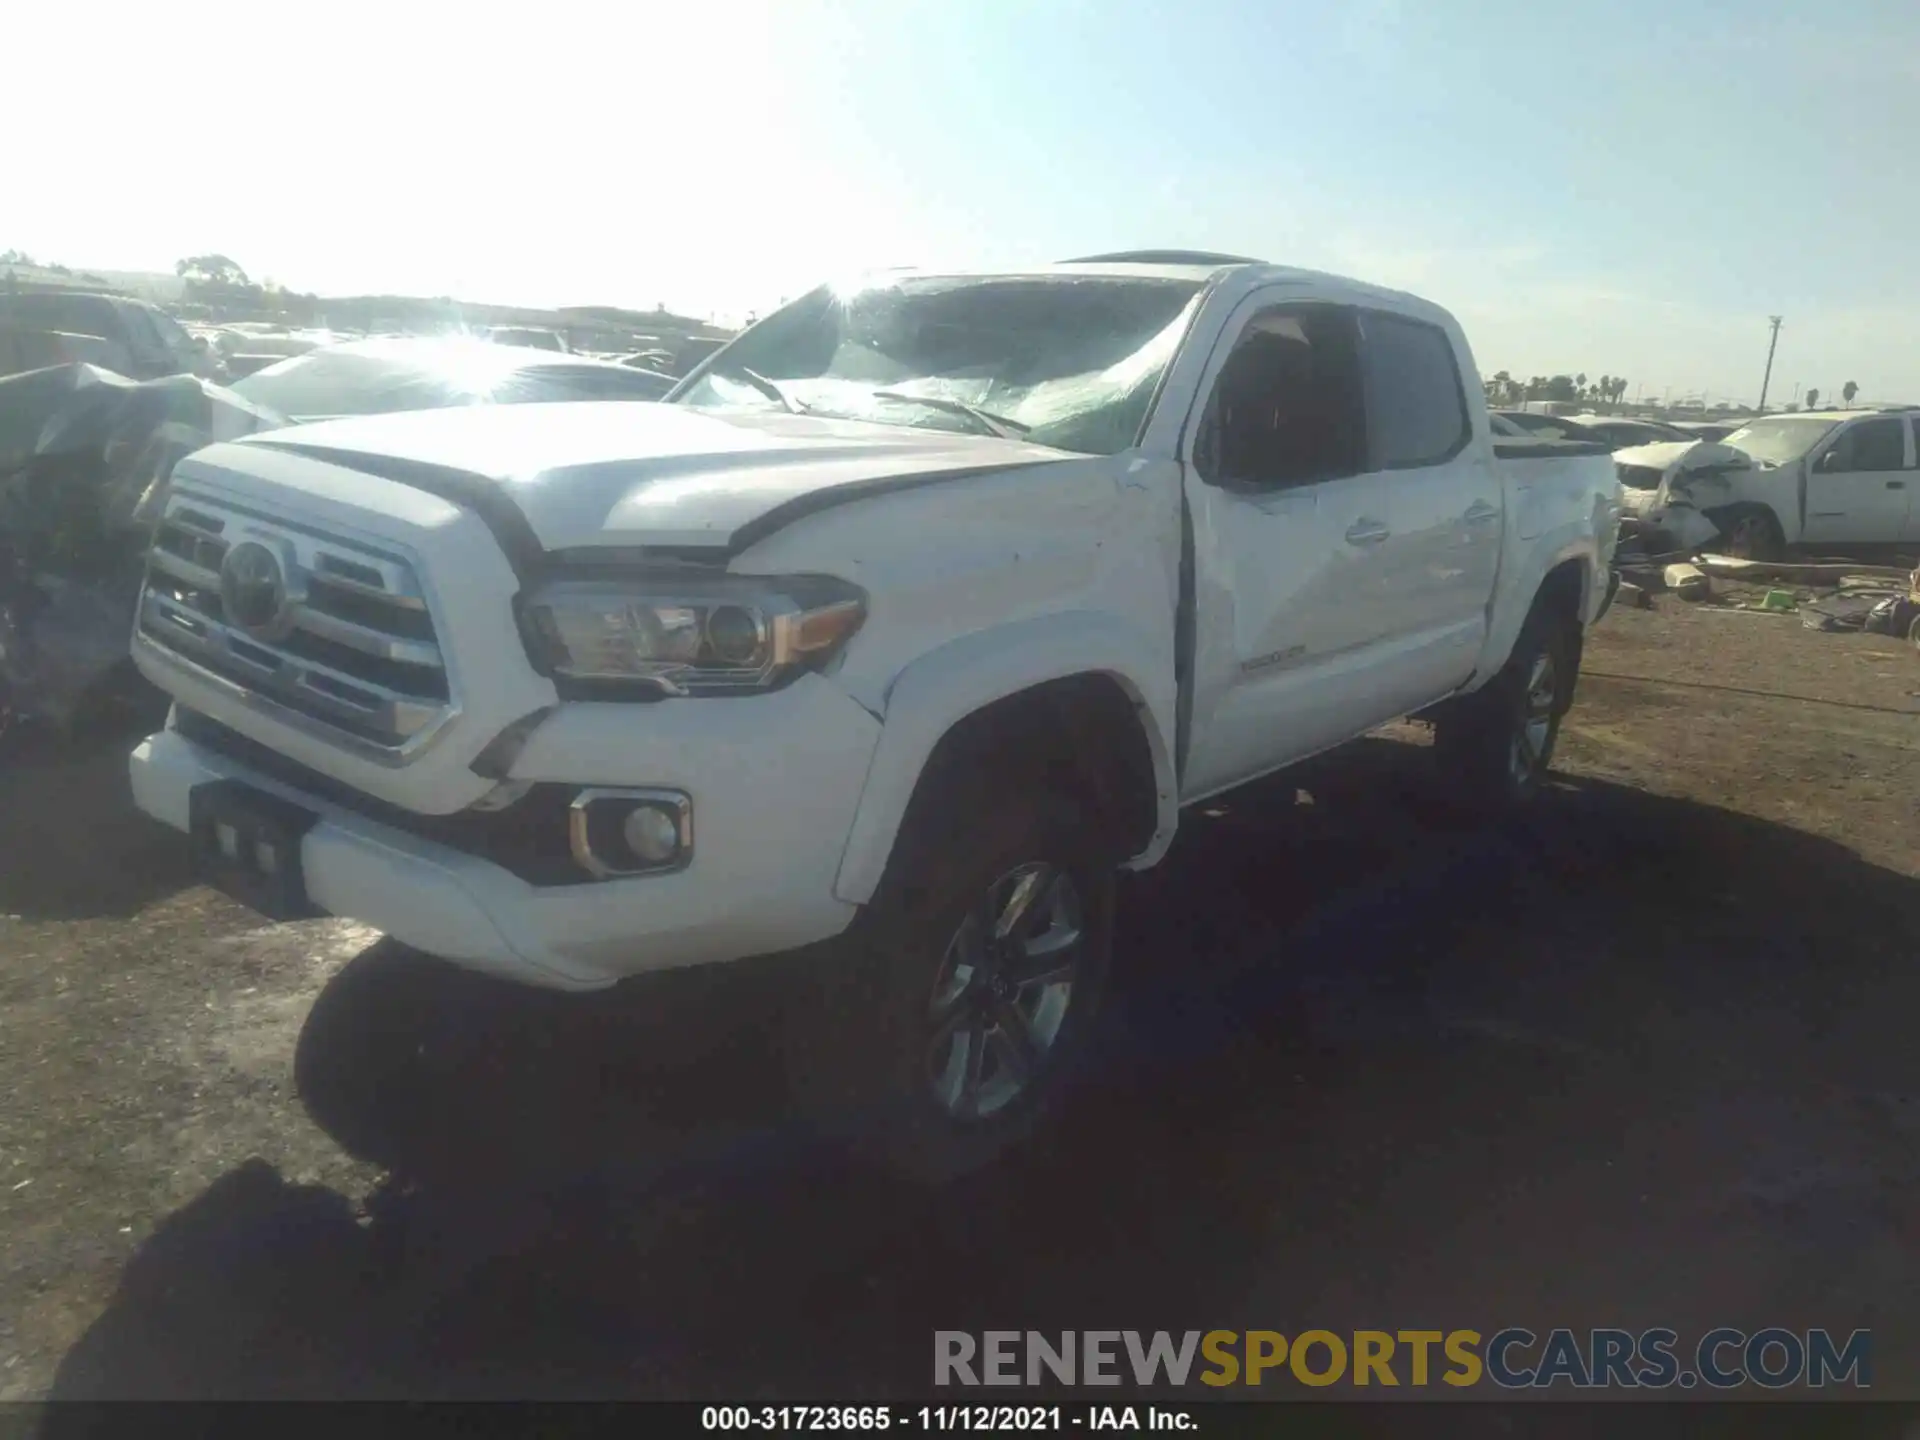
x: 1835, y: 478
x: 914, y: 615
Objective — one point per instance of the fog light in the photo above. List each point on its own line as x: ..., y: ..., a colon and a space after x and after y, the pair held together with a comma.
x: 616, y: 833
x: 651, y: 833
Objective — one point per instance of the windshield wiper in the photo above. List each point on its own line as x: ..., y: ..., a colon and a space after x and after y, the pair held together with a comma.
x: 767, y: 388
x: 1000, y: 425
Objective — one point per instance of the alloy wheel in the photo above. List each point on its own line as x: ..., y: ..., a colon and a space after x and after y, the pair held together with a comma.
x: 1528, y: 754
x: 1003, y: 990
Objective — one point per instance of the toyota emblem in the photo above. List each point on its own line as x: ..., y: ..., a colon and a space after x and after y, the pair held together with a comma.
x: 253, y: 590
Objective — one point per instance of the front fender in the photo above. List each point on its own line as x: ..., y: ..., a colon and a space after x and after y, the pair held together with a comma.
x: 943, y: 687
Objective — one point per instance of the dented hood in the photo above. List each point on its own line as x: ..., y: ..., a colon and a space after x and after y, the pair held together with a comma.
x: 609, y: 473
x: 1677, y: 457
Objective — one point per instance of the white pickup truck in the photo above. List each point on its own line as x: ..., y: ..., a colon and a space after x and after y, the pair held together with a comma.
x: 912, y: 617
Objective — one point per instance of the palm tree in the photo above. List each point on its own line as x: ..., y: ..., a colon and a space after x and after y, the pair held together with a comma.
x: 1580, y: 385
x: 1848, y: 391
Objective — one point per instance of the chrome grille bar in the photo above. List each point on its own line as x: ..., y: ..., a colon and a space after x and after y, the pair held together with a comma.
x: 351, y: 650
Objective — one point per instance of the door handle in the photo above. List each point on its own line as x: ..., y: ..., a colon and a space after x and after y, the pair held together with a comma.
x: 1479, y: 513
x: 1896, y: 484
x: 1366, y: 532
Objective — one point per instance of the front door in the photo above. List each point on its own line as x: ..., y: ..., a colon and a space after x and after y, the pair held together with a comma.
x: 1859, y: 489
x: 1290, y: 537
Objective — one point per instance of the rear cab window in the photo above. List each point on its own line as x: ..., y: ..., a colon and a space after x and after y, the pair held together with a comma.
x: 1416, y: 405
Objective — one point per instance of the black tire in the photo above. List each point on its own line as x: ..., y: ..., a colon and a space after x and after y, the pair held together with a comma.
x: 1496, y: 745
x: 861, y: 1040
x: 1750, y: 532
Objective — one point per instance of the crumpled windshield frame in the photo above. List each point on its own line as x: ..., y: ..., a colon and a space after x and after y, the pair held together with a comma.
x: 1120, y: 370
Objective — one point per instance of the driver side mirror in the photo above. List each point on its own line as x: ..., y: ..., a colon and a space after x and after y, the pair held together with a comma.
x: 1830, y: 462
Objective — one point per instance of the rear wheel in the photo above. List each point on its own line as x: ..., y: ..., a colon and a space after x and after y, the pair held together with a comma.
x: 1497, y: 744
x: 965, y: 997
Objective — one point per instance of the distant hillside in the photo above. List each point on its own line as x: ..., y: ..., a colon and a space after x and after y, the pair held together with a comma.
x: 361, y: 312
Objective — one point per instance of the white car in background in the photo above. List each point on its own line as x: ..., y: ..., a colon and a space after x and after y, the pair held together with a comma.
x: 1838, y: 477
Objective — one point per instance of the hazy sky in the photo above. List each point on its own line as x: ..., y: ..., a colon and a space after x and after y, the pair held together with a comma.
x: 1627, y: 188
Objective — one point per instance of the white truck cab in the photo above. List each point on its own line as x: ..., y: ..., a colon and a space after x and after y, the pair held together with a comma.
x: 914, y: 614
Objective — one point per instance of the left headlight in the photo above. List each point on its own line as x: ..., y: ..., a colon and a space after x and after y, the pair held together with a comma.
x: 705, y: 635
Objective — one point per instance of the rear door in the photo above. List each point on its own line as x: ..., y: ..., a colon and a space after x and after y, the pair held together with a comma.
x: 1291, y: 590
x: 1859, y: 486
x: 1443, y: 508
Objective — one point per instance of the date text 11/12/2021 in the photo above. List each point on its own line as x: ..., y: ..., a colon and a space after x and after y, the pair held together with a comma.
x: 942, y: 1418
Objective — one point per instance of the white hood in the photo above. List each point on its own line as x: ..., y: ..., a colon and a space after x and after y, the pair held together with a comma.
x: 1673, y: 457
x: 608, y: 473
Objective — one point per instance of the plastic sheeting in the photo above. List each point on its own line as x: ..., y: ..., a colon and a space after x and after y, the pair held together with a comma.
x: 84, y: 459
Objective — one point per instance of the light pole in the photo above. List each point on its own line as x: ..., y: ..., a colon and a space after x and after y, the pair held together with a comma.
x: 1774, y: 321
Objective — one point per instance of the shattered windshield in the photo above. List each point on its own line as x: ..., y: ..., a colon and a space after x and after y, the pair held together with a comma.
x: 1774, y: 442
x: 1069, y: 362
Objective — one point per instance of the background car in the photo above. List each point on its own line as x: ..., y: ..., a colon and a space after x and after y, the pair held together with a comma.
x: 248, y: 347
x: 530, y: 336
x: 1547, y: 427
x: 372, y: 377
x: 1622, y: 433
x: 117, y: 333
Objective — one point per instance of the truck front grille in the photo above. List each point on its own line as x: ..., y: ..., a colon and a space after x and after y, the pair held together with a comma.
x: 334, y: 633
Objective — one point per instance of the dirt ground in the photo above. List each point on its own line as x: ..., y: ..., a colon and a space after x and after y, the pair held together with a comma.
x: 1645, y: 1058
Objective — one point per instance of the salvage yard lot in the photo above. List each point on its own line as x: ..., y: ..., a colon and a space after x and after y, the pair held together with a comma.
x: 1645, y: 1059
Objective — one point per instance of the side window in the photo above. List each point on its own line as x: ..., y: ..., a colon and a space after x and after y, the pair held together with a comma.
x: 1871, y: 445
x: 1416, y: 410
x: 141, y: 330
x: 1287, y: 406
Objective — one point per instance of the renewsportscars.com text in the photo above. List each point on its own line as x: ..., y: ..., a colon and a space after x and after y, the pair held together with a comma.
x: 1514, y: 1358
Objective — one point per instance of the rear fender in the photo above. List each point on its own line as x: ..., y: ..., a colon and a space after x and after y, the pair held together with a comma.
x: 1518, y: 589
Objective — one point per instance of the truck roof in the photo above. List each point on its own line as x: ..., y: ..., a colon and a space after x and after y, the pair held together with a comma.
x: 1836, y: 415
x: 1225, y: 272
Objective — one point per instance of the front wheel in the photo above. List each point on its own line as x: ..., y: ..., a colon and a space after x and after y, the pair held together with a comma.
x: 1497, y: 744
x: 1750, y: 532
x: 966, y: 997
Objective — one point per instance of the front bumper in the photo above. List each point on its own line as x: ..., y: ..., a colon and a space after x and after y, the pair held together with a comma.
x: 762, y: 874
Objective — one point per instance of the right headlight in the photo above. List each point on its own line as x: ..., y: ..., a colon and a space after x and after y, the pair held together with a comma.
x: 689, y: 635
